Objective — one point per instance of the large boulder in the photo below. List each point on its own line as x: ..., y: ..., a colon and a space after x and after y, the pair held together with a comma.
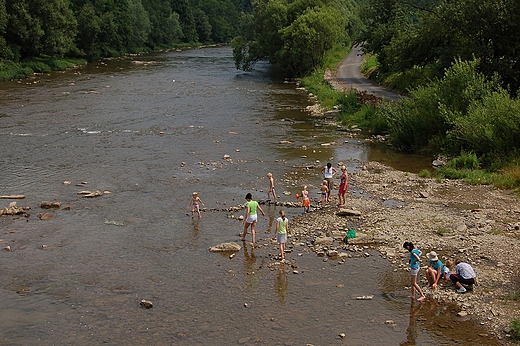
x: 226, y: 247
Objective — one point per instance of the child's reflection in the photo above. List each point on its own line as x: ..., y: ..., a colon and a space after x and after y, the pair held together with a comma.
x: 411, y: 331
x: 281, y: 283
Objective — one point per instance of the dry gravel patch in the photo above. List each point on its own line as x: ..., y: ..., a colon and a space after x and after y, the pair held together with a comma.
x: 479, y: 224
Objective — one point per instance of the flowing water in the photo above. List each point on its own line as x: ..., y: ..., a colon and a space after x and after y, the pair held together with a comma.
x: 151, y: 131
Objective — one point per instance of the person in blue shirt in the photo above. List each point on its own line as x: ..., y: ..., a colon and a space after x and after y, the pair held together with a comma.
x: 435, y: 270
x: 415, y: 265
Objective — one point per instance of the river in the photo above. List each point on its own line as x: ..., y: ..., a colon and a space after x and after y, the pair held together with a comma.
x: 148, y: 131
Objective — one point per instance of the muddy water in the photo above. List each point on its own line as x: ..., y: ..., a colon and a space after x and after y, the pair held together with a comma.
x: 151, y: 132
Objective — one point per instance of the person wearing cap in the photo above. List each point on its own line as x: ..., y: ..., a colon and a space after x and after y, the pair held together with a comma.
x: 435, y: 270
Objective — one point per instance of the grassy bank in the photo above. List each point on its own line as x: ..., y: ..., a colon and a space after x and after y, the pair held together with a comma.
x: 502, y: 171
x: 12, y: 70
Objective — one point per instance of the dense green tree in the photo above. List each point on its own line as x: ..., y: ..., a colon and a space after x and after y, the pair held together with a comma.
x: 135, y: 25
x: 293, y: 34
x: 165, y: 26
x: 5, y: 52
x: 432, y: 34
x: 187, y: 20
x: 308, y: 38
x: 39, y: 27
x: 203, y: 26
x: 223, y: 16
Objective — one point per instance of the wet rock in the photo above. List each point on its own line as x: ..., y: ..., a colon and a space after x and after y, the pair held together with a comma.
x: 225, y: 247
x: 332, y: 253
x: 90, y: 194
x: 146, y: 304
x: 50, y: 205
x: 13, y: 209
x: 45, y: 216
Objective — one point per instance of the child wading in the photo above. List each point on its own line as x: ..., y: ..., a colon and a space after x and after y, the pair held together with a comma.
x: 251, y: 217
x: 194, y: 204
x: 306, y: 204
x: 415, y: 265
x: 324, y: 189
x: 271, y: 187
x: 282, y: 227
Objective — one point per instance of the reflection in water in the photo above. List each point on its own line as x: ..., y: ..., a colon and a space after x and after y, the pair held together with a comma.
x: 281, y: 283
x: 195, y: 227
x: 250, y: 263
x: 411, y: 331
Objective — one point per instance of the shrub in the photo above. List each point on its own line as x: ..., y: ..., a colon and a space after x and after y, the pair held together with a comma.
x: 425, y: 173
x: 464, y: 161
x: 38, y: 66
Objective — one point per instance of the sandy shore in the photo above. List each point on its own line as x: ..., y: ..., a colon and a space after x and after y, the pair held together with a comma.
x: 479, y: 224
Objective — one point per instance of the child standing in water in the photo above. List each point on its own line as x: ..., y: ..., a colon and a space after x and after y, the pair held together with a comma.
x: 324, y: 189
x: 251, y: 217
x: 306, y: 200
x: 271, y: 187
x: 415, y: 265
x: 194, y: 204
x: 282, y: 227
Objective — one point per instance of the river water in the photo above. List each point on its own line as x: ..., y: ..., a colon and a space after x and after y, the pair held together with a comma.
x: 149, y: 131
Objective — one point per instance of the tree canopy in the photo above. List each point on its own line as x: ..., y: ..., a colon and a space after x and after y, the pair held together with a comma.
x: 293, y: 34
x: 99, y: 28
x: 422, y: 33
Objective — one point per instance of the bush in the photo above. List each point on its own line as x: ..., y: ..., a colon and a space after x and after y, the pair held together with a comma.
x: 433, y: 118
x: 464, y: 161
x: 38, y: 67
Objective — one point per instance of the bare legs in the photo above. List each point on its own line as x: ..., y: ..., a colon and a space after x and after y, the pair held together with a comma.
x: 416, y: 287
x: 253, y: 232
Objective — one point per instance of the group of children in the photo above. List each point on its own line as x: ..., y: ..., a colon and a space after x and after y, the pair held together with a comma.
x: 282, y: 223
x: 463, y: 276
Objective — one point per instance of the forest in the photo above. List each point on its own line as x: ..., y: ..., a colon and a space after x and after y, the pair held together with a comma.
x: 93, y: 29
x: 457, y: 61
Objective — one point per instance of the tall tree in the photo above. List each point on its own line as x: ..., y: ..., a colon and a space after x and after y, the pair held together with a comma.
x: 293, y: 34
x: 39, y: 27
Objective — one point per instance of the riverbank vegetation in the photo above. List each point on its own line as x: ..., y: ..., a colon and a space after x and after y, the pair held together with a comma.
x: 462, y: 94
x: 41, y: 36
x: 295, y: 34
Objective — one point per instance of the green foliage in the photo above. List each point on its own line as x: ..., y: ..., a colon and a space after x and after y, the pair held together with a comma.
x: 307, y: 38
x: 467, y: 161
x: 432, y: 118
x: 425, y: 173
x: 515, y: 330
x: 410, y: 34
x: 99, y: 28
x: 295, y: 35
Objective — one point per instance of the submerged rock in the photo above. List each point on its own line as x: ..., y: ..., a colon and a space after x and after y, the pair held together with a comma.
x: 50, y: 205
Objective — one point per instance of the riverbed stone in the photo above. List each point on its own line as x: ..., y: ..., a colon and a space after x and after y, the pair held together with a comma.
x: 226, y: 247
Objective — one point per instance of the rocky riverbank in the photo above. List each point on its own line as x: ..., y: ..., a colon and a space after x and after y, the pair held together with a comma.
x: 479, y: 224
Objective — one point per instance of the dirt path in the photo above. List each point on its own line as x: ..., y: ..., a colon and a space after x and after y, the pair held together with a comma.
x: 348, y: 75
